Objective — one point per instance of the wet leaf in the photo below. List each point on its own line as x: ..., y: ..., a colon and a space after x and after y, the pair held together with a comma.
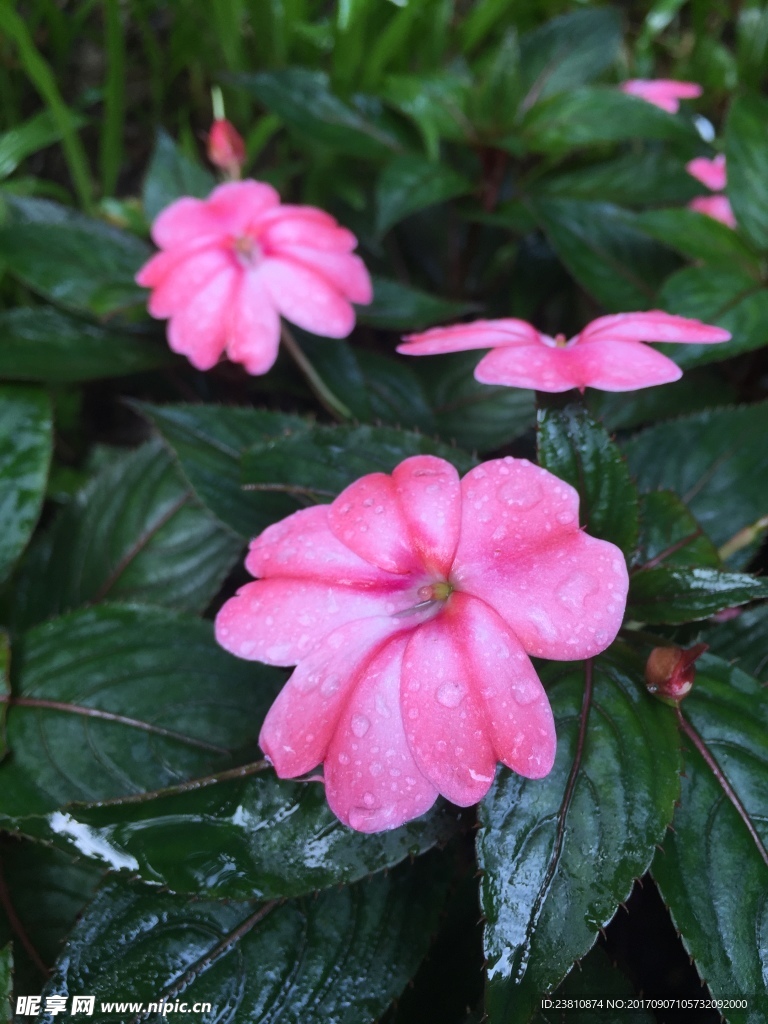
x: 675, y: 595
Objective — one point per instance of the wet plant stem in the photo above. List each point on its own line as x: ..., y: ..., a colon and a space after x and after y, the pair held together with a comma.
x: 325, y: 396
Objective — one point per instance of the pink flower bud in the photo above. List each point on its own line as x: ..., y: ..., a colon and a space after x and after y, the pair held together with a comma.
x: 670, y: 671
x: 226, y: 148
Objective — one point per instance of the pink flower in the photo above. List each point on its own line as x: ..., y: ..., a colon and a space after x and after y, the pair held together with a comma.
x: 232, y: 264
x: 711, y: 173
x: 662, y: 92
x: 607, y: 354
x: 226, y: 148
x: 410, y: 605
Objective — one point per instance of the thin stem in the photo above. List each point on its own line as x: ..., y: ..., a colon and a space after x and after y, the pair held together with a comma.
x: 326, y: 397
x: 725, y: 785
x: 743, y: 538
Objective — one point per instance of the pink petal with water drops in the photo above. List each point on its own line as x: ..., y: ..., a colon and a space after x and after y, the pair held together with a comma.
x: 301, y: 723
x: 199, y: 329
x: 717, y: 207
x: 280, y: 621
x: 371, y: 778
x: 564, y: 601
x: 463, y: 337
x: 538, y: 366
x: 621, y: 366
x: 653, y: 325
x: 301, y: 228
x: 254, y: 327
x: 712, y: 173
x: 307, y: 299
x: 443, y: 713
x: 302, y: 546
x: 345, y: 271
x: 510, y: 508
x: 429, y: 494
x: 368, y: 518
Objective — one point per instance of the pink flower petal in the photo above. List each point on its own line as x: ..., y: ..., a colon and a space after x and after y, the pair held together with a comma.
x: 185, y: 278
x: 239, y: 205
x: 521, y: 551
x: 470, y: 698
x: 662, y: 92
x: 300, y: 724
x: 199, y: 329
x: 372, y: 781
x: 295, y: 227
x: 304, y: 547
x: 306, y: 299
x: 711, y: 173
x: 429, y: 492
x: 345, y: 271
x: 368, y: 518
x: 254, y: 330
x: 462, y: 337
x: 654, y: 325
x: 536, y: 366
x: 185, y: 221
x: 717, y: 207
x: 280, y: 621
x: 622, y: 366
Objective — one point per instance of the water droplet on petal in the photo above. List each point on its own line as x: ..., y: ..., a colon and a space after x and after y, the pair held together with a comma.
x: 360, y: 725
x: 450, y: 695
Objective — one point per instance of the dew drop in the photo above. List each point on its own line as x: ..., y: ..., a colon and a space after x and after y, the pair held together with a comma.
x: 343, y: 758
x: 450, y: 695
x: 369, y: 799
x: 360, y: 725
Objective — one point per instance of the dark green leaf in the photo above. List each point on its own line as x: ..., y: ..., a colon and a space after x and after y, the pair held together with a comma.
x: 342, y: 957
x: 398, y: 307
x: 27, y: 138
x: 726, y: 296
x: 697, y: 236
x: 741, y: 640
x: 320, y: 462
x: 678, y: 594
x: 410, y: 183
x: 118, y: 700
x: 5, y: 686
x: 588, y: 116
x: 579, y: 450
x: 435, y: 102
x: 559, y: 854
x: 209, y: 441
x: 669, y: 534
x: 26, y: 440
x: 6, y: 984
x: 47, y: 889
x: 172, y: 175
x: 88, y: 268
x: 716, y: 461
x: 477, y: 416
x: 713, y: 872
x: 610, y: 258
x: 696, y: 390
x: 239, y: 838
x: 304, y: 100
x: 746, y: 148
x: 41, y: 343
x: 135, y: 532
x: 570, y: 50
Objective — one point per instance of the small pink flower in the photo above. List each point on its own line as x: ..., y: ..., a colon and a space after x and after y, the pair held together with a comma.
x: 662, y: 92
x: 233, y: 264
x: 608, y: 354
x: 711, y: 173
x: 226, y: 148
x: 410, y: 606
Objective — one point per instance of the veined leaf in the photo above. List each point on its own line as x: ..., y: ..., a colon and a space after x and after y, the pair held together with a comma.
x: 559, y: 854
x: 399, y: 307
x: 671, y: 594
x: 172, y: 175
x: 410, y: 183
x: 741, y: 641
x: 669, y: 534
x: 746, y: 148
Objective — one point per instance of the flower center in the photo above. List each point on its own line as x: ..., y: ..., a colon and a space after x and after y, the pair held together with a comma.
x: 435, y: 591
x: 560, y: 340
x: 247, y: 250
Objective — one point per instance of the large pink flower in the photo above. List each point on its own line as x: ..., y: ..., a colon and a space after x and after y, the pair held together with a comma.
x: 662, y: 92
x: 233, y: 264
x: 713, y: 174
x: 608, y: 354
x: 410, y: 606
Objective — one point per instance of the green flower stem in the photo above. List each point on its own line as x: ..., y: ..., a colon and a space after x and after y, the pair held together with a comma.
x: 326, y: 397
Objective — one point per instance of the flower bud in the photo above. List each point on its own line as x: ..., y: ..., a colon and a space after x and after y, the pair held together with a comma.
x: 670, y: 671
x: 226, y: 148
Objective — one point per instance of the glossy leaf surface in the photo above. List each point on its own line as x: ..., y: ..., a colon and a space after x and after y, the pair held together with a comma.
x: 171, y: 175
x: 669, y: 535
x: 667, y: 594
x: 746, y: 148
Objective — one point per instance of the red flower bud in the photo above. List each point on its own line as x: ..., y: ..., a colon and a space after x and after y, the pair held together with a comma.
x: 226, y: 148
x: 670, y: 671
